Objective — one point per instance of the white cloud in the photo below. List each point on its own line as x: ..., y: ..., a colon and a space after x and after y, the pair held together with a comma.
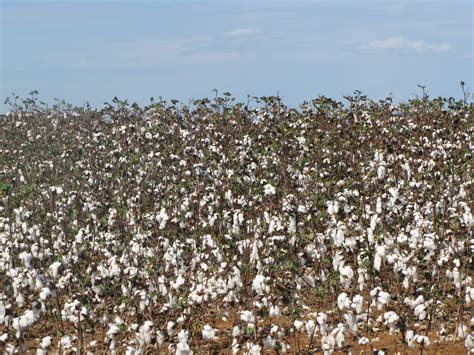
x: 403, y: 45
x: 242, y: 32
x: 144, y: 53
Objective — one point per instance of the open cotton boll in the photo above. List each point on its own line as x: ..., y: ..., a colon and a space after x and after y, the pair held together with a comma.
x: 322, y: 319
x: 351, y: 320
x: 54, y: 269
x: 269, y: 190
x: 469, y: 343
x: 343, y: 301
x: 310, y: 327
x: 346, y: 276
x: 298, y: 324
x: 46, y: 342
x: 208, y: 333
x: 328, y: 342
x: 338, y: 334
x: 357, y: 303
x: 247, y: 316
x: 378, y: 207
x: 420, y: 311
x: 258, y: 284
x: 391, y: 318
x: 274, y: 311
x: 379, y: 254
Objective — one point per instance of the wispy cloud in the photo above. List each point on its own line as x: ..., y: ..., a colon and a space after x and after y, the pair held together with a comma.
x: 242, y: 32
x: 143, y: 54
x: 403, y: 45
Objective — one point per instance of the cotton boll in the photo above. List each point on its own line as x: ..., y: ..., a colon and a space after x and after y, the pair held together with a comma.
x: 381, y: 173
x: 268, y: 342
x: 351, y: 320
x: 46, y: 342
x: 274, y: 311
x: 310, y: 327
x: 44, y: 293
x: 208, y: 333
x: 327, y: 344
x: 378, y: 207
x: 343, y: 301
x: 298, y: 324
x: 269, y: 190
x: 247, y: 316
x: 357, y: 303
x: 258, y: 284
x: 420, y: 311
x: 346, y: 276
x: 391, y: 318
x: 338, y: 334
x: 54, y: 268
x: 382, y: 299
x: 469, y: 343
x: 379, y: 254
x: 235, y: 332
x: 170, y: 328
x: 322, y: 319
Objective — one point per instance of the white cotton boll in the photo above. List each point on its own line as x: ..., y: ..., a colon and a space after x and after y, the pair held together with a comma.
x: 410, y: 338
x: 170, y: 328
x: 339, y: 237
x: 461, y: 331
x: 46, y: 342
x: 338, y: 334
x: 351, y: 320
x: 327, y: 344
x: 180, y: 281
x: 420, y: 311
x: 235, y: 331
x: 381, y: 173
x: 162, y: 218
x: 469, y: 343
x: 363, y: 341
x: 274, y: 311
x: 422, y: 340
x: 247, y: 316
x: 310, y: 327
x: 379, y: 254
x: 330, y: 208
x: 343, y: 301
x: 292, y: 225
x: 113, y: 329
x: 65, y: 342
x: 370, y: 236
x: 269, y: 190
x: 321, y: 319
x: 382, y: 299
x: 54, y: 268
x: 378, y: 207
x: 357, y: 303
x: 208, y: 333
x: 268, y: 342
x: 44, y: 294
x: 346, y: 276
x: 391, y: 318
x: 298, y: 324
x: 336, y: 261
x: 183, y: 349
x: 258, y: 284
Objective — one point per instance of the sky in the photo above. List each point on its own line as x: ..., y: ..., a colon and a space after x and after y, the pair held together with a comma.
x: 90, y: 51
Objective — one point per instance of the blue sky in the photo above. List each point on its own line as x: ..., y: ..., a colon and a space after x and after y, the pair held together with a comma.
x: 94, y: 50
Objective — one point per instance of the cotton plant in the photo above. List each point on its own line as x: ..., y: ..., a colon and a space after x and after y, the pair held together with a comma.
x: 161, y: 213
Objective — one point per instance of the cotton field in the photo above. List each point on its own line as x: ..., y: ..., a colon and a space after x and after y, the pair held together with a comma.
x: 237, y: 228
